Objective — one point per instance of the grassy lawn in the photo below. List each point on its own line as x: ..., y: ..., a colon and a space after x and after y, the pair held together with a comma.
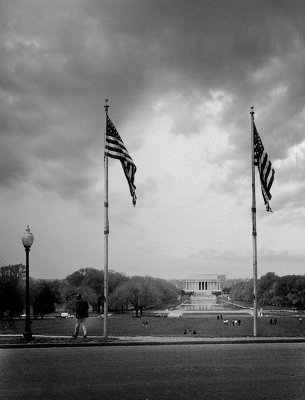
x: 205, y: 326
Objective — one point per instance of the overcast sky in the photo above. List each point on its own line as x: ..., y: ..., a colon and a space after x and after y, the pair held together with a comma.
x: 180, y: 77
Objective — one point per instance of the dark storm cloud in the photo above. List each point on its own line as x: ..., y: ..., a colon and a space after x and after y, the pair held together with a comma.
x: 61, y: 59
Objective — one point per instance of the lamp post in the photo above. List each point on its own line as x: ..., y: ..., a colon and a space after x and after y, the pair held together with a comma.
x: 27, y: 241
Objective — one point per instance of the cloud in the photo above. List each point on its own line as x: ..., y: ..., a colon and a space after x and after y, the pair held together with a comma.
x: 180, y: 80
x: 60, y: 63
x: 239, y: 263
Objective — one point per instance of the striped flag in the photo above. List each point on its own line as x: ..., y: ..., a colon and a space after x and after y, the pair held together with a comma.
x: 266, y: 172
x: 115, y: 148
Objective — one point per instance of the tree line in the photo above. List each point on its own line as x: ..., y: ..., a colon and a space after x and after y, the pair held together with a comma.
x: 272, y: 290
x: 124, y: 293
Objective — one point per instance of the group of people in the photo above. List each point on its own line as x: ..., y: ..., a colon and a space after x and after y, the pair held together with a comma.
x: 191, y: 332
x: 234, y: 322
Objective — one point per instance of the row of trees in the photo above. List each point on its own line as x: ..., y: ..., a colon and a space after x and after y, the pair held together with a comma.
x: 124, y: 292
x: 12, y: 289
x: 45, y: 295
x: 284, y: 291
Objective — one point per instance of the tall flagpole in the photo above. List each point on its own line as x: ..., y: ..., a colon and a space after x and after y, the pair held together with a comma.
x: 106, y: 229
x: 254, y: 233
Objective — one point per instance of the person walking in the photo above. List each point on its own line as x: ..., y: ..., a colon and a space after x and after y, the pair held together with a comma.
x: 81, y: 312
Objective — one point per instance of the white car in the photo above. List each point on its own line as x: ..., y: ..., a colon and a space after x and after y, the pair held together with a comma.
x: 66, y: 315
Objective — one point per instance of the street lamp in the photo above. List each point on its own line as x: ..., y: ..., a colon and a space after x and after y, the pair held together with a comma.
x: 27, y: 241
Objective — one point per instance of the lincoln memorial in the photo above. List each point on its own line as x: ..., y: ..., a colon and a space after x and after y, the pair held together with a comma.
x: 205, y: 284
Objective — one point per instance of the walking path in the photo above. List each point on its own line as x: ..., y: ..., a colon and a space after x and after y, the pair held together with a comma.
x: 17, y: 341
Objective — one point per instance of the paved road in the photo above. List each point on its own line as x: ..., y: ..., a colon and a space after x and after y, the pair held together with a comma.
x: 238, y: 371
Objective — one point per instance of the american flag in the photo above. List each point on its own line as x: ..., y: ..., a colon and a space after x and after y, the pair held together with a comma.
x: 115, y: 148
x: 266, y: 172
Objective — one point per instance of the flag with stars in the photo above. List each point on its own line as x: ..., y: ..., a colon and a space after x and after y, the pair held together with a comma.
x: 265, y: 169
x: 115, y: 148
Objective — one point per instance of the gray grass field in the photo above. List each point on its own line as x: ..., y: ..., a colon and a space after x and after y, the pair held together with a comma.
x: 127, y: 325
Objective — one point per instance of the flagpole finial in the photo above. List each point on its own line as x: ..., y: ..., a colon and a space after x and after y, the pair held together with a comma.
x: 252, y: 112
x: 106, y: 106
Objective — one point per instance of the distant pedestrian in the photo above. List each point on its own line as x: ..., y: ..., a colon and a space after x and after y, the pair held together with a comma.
x: 239, y: 322
x: 146, y: 324
x: 300, y: 320
x: 184, y: 331
x: 194, y: 332
x: 226, y: 322
x: 233, y: 322
x: 217, y: 317
x: 81, y: 311
x: 221, y: 316
x: 275, y: 321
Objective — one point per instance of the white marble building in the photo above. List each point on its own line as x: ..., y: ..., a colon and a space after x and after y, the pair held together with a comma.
x: 207, y: 283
